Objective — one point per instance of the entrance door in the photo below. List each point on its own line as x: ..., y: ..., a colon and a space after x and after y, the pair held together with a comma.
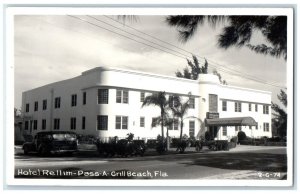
x: 213, y: 131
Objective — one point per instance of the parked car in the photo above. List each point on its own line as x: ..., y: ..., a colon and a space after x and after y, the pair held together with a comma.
x: 51, y: 142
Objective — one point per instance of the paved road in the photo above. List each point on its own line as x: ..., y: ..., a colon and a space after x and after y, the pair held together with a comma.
x: 243, y: 162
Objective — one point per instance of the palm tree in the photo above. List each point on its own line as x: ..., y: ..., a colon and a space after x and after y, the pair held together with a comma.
x: 158, y: 99
x: 280, y: 115
x: 180, y: 110
x: 193, y: 70
x: 238, y: 31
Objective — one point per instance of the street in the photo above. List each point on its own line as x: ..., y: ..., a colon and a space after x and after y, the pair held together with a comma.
x: 243, y: 162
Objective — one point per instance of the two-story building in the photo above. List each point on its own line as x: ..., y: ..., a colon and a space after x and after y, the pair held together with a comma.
x: 107, y: 102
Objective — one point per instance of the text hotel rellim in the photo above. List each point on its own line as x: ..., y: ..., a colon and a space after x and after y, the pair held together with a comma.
x: 107, y: 102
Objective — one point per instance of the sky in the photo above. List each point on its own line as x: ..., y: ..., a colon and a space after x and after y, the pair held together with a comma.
x: 50, y: 48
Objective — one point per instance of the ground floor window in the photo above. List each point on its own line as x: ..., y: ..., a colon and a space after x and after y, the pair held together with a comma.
x: 73, y: 123
x: 266, y: 127
x: 35, y: 125
x: 238, y: 128
x: 142, y: 121
x: 192, y: 128
x: 83, y: 123
x: 43, y: 124
x: 56, y: 123
x: 224, y: 131
x: 102, y: 121
x: 26, y: 125
x: 121, y: 122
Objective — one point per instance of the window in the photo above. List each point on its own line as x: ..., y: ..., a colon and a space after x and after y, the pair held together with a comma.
x: 213, y: 103
x: 171, y: 101
x: 43, y: 124
x: 122, y: 96
x: 250, y: 127
x: 192, y: 128
x: 256, y: 127
x: 26, y: 125
x: 192, y: 102
x: 73, y: 123
x: 102, y: 121
x: 266, y: 127
x: 36, y: 106
x: 44, y: 104
x: 56, y: 123
x: 224, y: 131
x: 57, y: 102
x: 256, y: 108
x: 266, y: 109
x: 27, y: 108
x: 250, y: 107
x: 238, y: 128
x: 142, y: 97
x: 224, y: 105
x: 83, y: 123
x: 34, y: 124
x: 238, y: 107
x: 84, y: 98
x: 174, y: 125
x: 102, y: 96
x: 74, y: 100
x: 121, y: 122
x: 142, y: 121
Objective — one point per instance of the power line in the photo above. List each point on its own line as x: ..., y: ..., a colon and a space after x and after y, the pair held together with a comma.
x: 210, y: 61
x: 246, y: 76
x: 124, y: 36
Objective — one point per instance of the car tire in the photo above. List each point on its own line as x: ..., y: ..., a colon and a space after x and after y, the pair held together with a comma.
x: 25, y: 150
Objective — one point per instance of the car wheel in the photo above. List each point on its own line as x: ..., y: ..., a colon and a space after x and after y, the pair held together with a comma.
x: 26, y: 150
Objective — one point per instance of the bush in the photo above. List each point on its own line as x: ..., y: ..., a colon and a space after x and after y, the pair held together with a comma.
x: 151, y: 143
x: 241, y: 136
x: 207, y: 136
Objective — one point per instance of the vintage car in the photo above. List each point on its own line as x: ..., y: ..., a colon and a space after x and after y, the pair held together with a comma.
x: 51, y: 142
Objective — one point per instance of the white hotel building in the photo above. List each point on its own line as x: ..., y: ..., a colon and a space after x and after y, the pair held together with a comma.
x: 107, y: 102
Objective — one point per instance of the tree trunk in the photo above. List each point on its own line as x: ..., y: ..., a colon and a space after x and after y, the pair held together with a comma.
x: 181, y: 128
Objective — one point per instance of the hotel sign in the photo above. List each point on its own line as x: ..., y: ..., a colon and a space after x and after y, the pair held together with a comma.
x: 212, y: 115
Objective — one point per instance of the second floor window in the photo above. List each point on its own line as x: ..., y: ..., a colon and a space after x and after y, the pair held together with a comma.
x: 27, y: 108
x: 84, y: 98
x: 122, y: 96
x: 74, y: 100
x: 250, y: 107
x: 57, y: 102
x: 256, y: 108
x: 142, y: 97
x: 36, y: 106
x: 192, y: 103
x: 266, y: 109
x: 238, y: 107
x: 44, y: 104
x: 102, y: 96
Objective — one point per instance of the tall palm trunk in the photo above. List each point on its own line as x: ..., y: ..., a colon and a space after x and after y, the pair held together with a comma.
x: 162, y: 121
x: 181, y: 128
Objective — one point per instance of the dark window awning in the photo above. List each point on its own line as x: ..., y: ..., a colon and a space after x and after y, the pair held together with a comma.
x: 234, y: 121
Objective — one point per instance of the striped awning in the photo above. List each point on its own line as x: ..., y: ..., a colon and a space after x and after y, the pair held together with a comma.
x: 234, y: 121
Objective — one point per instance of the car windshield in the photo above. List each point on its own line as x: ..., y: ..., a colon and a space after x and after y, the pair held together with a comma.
x: 61, y: 137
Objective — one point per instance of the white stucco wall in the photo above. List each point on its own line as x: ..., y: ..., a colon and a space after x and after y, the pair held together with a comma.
x: 137, y: 82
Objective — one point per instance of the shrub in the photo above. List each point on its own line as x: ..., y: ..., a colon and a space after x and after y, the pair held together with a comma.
x: 207, y: 136
x: 242, y: 136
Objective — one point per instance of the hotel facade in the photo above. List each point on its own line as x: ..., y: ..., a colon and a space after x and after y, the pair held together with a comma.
x: 107, y: 102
